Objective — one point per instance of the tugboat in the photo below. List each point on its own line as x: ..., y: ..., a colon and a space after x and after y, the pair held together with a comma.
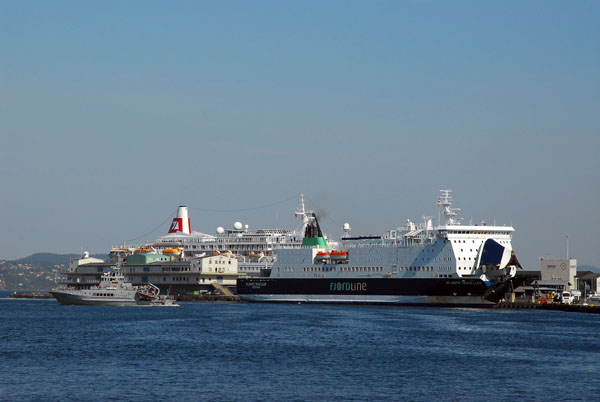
x: 113, y: 290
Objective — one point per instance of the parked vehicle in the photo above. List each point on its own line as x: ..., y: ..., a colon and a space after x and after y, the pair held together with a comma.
x: 566, y: 298
x: 594, y: 298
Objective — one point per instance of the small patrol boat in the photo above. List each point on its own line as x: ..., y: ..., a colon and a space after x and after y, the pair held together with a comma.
x: 113, y: 290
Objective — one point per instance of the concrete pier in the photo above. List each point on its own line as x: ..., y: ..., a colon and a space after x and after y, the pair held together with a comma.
x: 578, y: 308
x: 207, y: 298
x: 31, y: 295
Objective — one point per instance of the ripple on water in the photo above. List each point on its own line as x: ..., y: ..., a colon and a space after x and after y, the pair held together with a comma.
x: 243, y: 351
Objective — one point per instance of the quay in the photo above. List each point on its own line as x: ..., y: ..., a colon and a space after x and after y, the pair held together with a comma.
x: 207, y: 298
x: 31, y: 295
x: 577, y: 308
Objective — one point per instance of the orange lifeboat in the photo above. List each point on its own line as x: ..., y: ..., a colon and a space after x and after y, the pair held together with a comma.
x: 322, y: 256
x: 119, y: 251
x: 339, y: 255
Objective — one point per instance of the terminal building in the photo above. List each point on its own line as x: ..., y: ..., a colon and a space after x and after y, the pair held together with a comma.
x: 555, y: 276
x: 558, y: 274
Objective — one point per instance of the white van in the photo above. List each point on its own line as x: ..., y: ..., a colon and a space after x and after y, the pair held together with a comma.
x: 566, y: 298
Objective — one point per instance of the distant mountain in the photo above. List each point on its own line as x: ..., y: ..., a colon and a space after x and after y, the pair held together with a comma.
x: 54, y: 259
x: 40, y: 271
x: 588, y: 268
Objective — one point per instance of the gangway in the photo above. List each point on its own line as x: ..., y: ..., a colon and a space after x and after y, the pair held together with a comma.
x: 222, y: 289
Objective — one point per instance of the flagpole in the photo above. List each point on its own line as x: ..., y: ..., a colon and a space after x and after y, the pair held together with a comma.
x: 439, y: 216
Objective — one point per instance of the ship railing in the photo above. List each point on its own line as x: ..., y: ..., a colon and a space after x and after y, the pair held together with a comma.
x: 80, y: 282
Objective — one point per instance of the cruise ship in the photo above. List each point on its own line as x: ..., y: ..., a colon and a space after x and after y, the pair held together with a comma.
x: 448, y: 265
x: 253, y: 248
x: 187, y: 261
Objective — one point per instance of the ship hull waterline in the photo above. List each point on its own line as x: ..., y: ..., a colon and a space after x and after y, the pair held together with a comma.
x: 70, y: 299
x: 442, y: 292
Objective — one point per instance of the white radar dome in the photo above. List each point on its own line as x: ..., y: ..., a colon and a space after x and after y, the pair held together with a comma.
x: 220, y: 230
x: 237, y: 226
x: 346, y: 226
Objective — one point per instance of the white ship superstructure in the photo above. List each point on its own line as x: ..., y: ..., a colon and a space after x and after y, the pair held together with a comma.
x: 449, y: 250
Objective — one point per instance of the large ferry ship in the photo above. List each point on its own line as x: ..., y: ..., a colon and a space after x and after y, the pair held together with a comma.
x: 419, y: 264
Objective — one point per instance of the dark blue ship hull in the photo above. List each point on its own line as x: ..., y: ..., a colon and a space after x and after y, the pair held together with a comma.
x: 403, y: 291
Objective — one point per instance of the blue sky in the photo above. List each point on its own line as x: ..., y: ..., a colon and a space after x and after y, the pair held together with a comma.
x: 114, y: 113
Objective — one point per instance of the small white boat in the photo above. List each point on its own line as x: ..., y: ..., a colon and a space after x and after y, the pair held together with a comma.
x: 150, y: 295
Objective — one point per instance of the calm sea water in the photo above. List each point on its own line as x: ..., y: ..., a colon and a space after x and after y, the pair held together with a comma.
x: 255, y: 352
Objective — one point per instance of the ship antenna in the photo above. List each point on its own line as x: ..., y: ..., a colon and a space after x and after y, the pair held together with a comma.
x: 303, y: 213
x: 439, y: 203
x: 450, y: 214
